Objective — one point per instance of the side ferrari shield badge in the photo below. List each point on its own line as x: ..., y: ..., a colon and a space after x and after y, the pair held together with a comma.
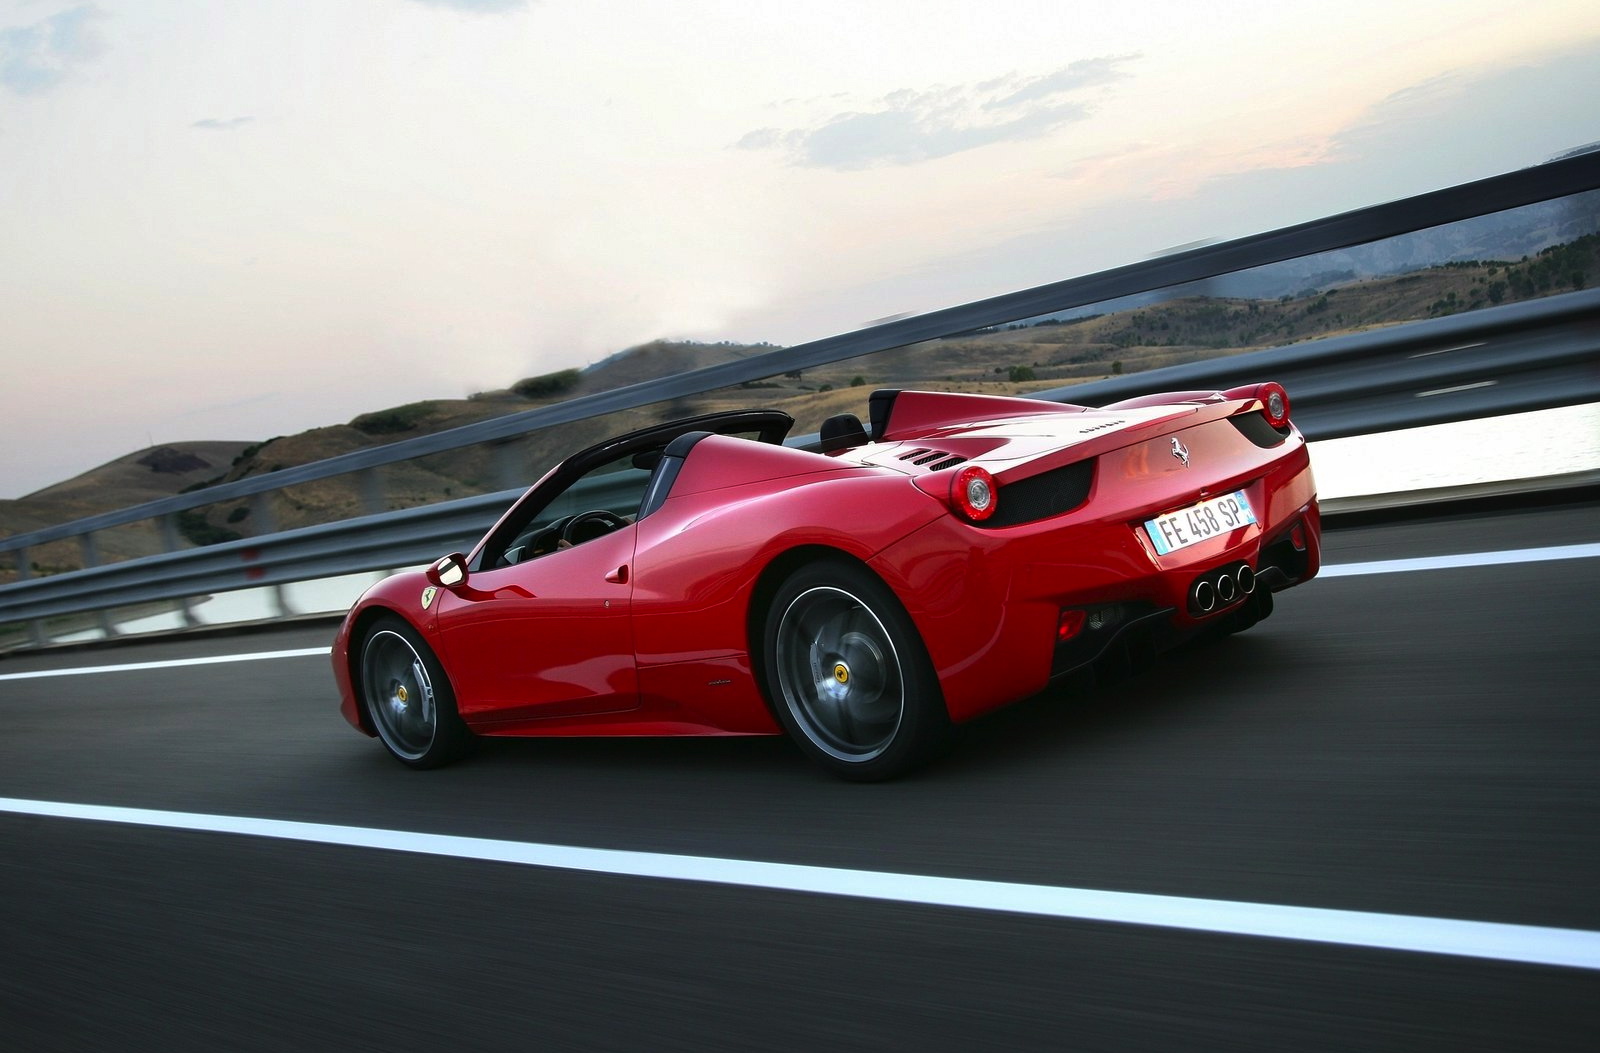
x: 1180, y: 451
x: 427, y: 596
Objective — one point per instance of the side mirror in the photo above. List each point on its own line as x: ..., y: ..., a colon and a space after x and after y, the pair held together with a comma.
x: 449, y: 571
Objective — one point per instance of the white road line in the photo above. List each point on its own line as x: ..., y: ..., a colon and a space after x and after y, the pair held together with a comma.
x: 1466, y: 559
x: 173, y: 663
x: 1447, y: 350
x: 1458, y: 387
x: 1572, y: 948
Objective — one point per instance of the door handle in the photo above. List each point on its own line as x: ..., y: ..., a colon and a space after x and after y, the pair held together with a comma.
x: 618, y: 576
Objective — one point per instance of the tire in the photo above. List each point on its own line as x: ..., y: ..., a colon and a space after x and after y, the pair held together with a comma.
x: 848, y: 676
x: 407, y: 697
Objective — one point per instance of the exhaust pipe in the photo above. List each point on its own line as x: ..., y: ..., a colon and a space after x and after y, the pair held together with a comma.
x: 1221, y: 588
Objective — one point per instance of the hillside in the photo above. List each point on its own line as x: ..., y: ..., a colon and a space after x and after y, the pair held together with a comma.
x: 135, y: 478
x: 1014, y: 359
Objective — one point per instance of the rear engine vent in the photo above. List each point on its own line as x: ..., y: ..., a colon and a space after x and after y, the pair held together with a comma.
x: 1047, y: 494
x: 933, y: 460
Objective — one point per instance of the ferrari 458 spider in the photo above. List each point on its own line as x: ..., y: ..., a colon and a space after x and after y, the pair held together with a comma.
x: 861, y: 596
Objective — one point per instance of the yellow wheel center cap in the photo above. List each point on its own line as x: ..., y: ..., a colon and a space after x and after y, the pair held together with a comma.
x: 841, y: 673
x: 400, y: 692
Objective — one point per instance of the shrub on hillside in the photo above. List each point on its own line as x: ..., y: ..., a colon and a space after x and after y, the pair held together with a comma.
x: 548, y: 386
x: 194, y: 527
x: 390, y: 421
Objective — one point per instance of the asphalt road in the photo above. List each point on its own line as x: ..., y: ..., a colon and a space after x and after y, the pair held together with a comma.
x: 1418, y: 744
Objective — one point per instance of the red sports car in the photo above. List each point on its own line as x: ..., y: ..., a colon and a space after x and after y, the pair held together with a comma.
x: 701, y: 578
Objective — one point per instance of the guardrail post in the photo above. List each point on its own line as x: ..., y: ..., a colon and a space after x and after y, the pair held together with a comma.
x: 372, y: 496
x: 508, y: 469
x: 91, y: 558
x: 262, y: 521
x: 24, y: 572
x: 167, y: 527
x: 266, y: 523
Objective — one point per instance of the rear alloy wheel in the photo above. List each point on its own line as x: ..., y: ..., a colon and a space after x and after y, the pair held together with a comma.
x: 849, y: 677
x: 408, y: 698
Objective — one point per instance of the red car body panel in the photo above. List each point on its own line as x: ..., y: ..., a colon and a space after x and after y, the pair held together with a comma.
x: 654, y: 628
x: 578, y: 658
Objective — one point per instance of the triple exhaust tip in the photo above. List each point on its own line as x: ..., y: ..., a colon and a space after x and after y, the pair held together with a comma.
x: 1223, y: 587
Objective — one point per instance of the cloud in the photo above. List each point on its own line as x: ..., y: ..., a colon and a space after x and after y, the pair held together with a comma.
x: 37, y: 57
x: 1085, y: 73
x: 1470, y: 123
x: 1443, y: 129
x: 227, y: 124
x: 761, y: 139
x: 1440, y: 131
x: 908, y: 126
x: 478, y: 7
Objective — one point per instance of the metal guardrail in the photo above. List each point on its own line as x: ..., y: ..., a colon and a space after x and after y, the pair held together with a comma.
x: 377, y: 542
x: 1504, y: 359
x: 1405, y: 376
x: 1524, y: 356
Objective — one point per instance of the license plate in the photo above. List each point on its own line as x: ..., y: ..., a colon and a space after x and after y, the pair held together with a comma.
x: 1192, y: 525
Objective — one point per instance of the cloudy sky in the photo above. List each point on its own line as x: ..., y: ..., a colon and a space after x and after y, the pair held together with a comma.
x: 237, y: 220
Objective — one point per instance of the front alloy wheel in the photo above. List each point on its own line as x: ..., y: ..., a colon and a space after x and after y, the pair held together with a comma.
x: 408, y: 697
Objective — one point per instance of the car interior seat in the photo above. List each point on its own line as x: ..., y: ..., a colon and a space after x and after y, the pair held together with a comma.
x: 841, y: 432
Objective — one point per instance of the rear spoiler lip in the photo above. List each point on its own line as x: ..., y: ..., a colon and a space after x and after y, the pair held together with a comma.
x: 1010, y: 470
x: 1188, y: 409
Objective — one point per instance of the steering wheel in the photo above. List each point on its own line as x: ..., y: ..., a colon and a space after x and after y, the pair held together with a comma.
x: 535, y: 541
x: 583, y: 526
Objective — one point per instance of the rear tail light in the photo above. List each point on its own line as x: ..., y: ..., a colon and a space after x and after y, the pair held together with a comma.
x: 1275, y: 404
x: 1274, y: 401
x: 973, y: 493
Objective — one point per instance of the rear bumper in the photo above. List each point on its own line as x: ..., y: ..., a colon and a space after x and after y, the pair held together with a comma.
x: 1119, y: 634
x: 989, y: 603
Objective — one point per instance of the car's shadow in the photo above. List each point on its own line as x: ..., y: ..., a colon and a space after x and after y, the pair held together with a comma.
x: 1199, y: 681
x: 1196, y: 681
x: 1065, y: 766
x: 635, y: 755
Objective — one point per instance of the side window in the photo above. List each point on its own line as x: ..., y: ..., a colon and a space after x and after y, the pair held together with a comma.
x: 567, y: 509
x: 611, y: 491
